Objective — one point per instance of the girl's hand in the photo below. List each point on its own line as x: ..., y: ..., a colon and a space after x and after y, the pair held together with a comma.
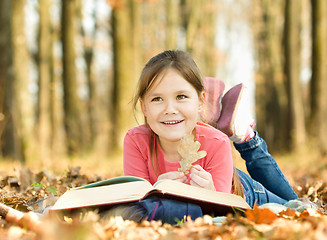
x: 174, y: 175
x: 201, y: 178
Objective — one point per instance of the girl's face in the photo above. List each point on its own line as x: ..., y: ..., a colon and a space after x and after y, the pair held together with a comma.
x: 171, y: 106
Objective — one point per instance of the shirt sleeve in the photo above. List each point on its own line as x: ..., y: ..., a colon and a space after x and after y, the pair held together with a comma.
x: 220, y: 165
x: 135, y: 162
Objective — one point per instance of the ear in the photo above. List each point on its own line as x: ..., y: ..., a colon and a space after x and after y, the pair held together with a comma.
x: 143, y: 108
x: 202, y: 101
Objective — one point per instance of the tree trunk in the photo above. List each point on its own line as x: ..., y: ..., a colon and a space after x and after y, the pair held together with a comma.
x: 72, y: 112
x: 208, y: 28
x: 270, y: 89
x: 8, y: 138
x: 58, y: 143
x: 124, y: 84
x: 136, y: 8
x: 318, y: 125
x: 296, y: 123
x: 44, y: 64
x: 172, y: 23
x: 92, y: 102
x: 193, y: 17
x: 17, y: 137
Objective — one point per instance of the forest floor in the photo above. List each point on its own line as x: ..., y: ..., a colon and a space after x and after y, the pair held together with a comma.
x: 23, y: 185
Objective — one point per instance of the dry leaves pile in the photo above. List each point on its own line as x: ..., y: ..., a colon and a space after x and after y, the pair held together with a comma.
x: 17, y: 192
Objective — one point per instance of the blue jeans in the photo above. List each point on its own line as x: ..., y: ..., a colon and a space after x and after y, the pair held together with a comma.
x: 267, y: 183
x: 157, y: 208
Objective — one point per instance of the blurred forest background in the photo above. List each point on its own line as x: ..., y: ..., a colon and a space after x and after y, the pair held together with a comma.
x: 68, y: 69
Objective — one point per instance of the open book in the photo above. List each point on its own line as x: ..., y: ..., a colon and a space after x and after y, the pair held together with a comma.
x: 129, y: 189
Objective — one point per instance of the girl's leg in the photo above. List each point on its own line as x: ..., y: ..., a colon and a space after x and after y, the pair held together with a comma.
x: 263, y: 168
x: 236, y: 122
x: 169, y: 210
x: 256, y: 193
x: 155, y: 208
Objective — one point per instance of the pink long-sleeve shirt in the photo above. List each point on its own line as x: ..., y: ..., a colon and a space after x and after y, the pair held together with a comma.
x: 218, y: 161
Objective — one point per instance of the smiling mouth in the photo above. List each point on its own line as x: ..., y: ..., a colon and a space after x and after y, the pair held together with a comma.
x: 172, y: 122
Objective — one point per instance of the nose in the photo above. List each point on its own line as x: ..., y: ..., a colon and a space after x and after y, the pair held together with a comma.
x: 170, y: 107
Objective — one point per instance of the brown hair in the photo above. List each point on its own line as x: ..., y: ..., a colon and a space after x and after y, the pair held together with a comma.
x: 236, y: 184
x: 178, y: 60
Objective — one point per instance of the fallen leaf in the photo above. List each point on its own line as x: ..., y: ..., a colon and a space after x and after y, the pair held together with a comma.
x: 260, y: 216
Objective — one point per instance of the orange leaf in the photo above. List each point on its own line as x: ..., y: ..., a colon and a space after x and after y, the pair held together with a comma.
x: 261, y: 215
x: 288, y: 213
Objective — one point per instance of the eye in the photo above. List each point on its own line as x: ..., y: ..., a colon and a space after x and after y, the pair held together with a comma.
x: 156, y: 99
x: 181, y: 97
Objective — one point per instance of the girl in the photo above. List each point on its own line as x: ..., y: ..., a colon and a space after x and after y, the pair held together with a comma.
x: 171, y: 95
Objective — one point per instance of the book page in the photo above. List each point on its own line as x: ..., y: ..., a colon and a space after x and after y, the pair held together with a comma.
x: 181, y: 189
x: 103, y: 195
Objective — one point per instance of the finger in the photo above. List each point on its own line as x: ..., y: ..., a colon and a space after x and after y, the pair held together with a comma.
x: 171, y: 175
x: 202, y: 173
x: 197, y: 167
x: 198, y: 181
x: 203, y: 183
x: 183, y: 179
x: 193, y: 183
x: 196, y: 184
x: 186, y: 180
x: 178, y: 175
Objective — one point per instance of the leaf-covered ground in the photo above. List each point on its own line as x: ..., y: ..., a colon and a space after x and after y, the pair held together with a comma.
x: 19, y: 191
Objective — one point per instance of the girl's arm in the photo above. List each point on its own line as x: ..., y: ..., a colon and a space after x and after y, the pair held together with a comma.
x: 220, y: 166
x: 135, y: 162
